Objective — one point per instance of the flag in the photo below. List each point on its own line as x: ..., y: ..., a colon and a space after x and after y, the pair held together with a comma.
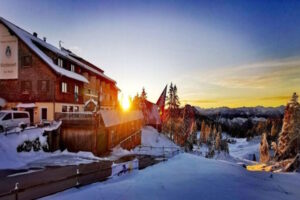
x: 161, y: 100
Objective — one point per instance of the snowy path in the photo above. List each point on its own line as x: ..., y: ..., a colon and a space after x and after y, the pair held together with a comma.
x: 188, y: 176
x: 244, y: 150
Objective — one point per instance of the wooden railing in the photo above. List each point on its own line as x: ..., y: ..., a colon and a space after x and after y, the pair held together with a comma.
x: 74, y: 115
x: 166, y: 152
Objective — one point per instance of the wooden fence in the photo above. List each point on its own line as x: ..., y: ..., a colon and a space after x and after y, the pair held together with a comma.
x: 53, y: 180
x: 56, y: 179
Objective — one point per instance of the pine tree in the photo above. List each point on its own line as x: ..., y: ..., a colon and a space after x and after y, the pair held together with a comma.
x: 264, y: 149
x: 143, y: 94
x: 202, y: 132
x: 218, y: 142
x: 176, y: 101
x: 214, y: 132
x: 142, y: 102
x: 289, y: 138
x: 220, y: 128
x: 173, y: 102
x: 170, y: 100
x: 273, y: 130
x: 207, y: 133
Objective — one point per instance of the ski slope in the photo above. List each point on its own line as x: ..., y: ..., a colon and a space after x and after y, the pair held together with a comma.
x: 189, y: 176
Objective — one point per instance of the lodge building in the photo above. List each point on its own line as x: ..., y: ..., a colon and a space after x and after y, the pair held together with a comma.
x: 44, y: 80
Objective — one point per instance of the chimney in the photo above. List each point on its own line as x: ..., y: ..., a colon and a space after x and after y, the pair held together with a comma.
x: 35, y: 34
x: 45, y: 39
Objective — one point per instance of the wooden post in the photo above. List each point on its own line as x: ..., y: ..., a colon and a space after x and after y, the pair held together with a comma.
x: 77, y: 177
x: 16, y: 190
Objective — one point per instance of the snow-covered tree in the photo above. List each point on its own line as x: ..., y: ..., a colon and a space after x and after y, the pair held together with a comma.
x: 264, y: 149
x: 289, y: 139
x: 273, y: 130
x: 202, y: 132
x: 218, y: 142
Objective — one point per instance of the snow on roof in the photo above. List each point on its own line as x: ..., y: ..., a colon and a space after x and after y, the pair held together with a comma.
x: 26, y: 105
x: 29, y: 39
x: 114, y: 117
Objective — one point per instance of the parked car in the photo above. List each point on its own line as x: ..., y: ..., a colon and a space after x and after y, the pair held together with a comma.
x: 11, y: 118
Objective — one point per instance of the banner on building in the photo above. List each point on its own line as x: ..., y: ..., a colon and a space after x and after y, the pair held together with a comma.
x: 8, y: 54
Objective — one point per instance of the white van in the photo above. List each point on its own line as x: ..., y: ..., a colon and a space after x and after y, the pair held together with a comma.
x: 12, y: 118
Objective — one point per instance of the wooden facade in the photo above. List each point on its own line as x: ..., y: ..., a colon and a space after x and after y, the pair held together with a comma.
x: 40, y: 85
x: 90, y: 132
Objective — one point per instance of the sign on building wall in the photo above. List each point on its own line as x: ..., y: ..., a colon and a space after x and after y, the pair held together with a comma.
x: 8, y: 54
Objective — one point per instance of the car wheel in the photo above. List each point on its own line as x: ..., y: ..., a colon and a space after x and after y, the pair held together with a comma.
x: 1, y: 129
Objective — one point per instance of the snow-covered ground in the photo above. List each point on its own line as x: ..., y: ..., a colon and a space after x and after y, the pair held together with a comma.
x: 244, y: 150
x: 187, y: 176
x: 150, y: 137
x: 11, y: 159
x: 153, y: 143
x: 240, y: 152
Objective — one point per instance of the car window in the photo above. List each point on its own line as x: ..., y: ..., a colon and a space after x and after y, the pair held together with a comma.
x: 2, y: 114
x: 20, y: 115
x: 7, y: 117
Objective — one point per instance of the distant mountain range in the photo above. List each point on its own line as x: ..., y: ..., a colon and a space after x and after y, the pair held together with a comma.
x: 244, y: 121
x: 243, y: 112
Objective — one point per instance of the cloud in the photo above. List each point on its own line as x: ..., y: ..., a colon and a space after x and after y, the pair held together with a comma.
x: 261, y: 75
x: 197, y: 102
x: 276, y: 98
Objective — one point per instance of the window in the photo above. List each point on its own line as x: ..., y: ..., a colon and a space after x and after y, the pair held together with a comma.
x: 7, y: 117
x: 72, y: 68
x: 89, y: 91
x: 27, y: 61
x: 64, y: 87
x: 43, y: 85
x: 70, y: 108
x: 20, y: 115
x: 44, y: 113
x: 76, y: 89
x: 26, y: 86
x: 60, y: 62
x: 76, y: 108
x: 64, y: 109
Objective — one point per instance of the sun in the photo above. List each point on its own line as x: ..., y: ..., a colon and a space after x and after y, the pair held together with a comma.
x: 125, y: 103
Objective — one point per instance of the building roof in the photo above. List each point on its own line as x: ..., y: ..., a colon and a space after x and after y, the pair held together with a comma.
x: 30, y: 41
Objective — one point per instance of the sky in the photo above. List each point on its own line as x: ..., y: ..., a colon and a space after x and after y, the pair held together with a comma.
x: 218, y: 53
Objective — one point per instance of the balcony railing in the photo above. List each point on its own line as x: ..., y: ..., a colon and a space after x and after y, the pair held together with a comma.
x: 74, y: 116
